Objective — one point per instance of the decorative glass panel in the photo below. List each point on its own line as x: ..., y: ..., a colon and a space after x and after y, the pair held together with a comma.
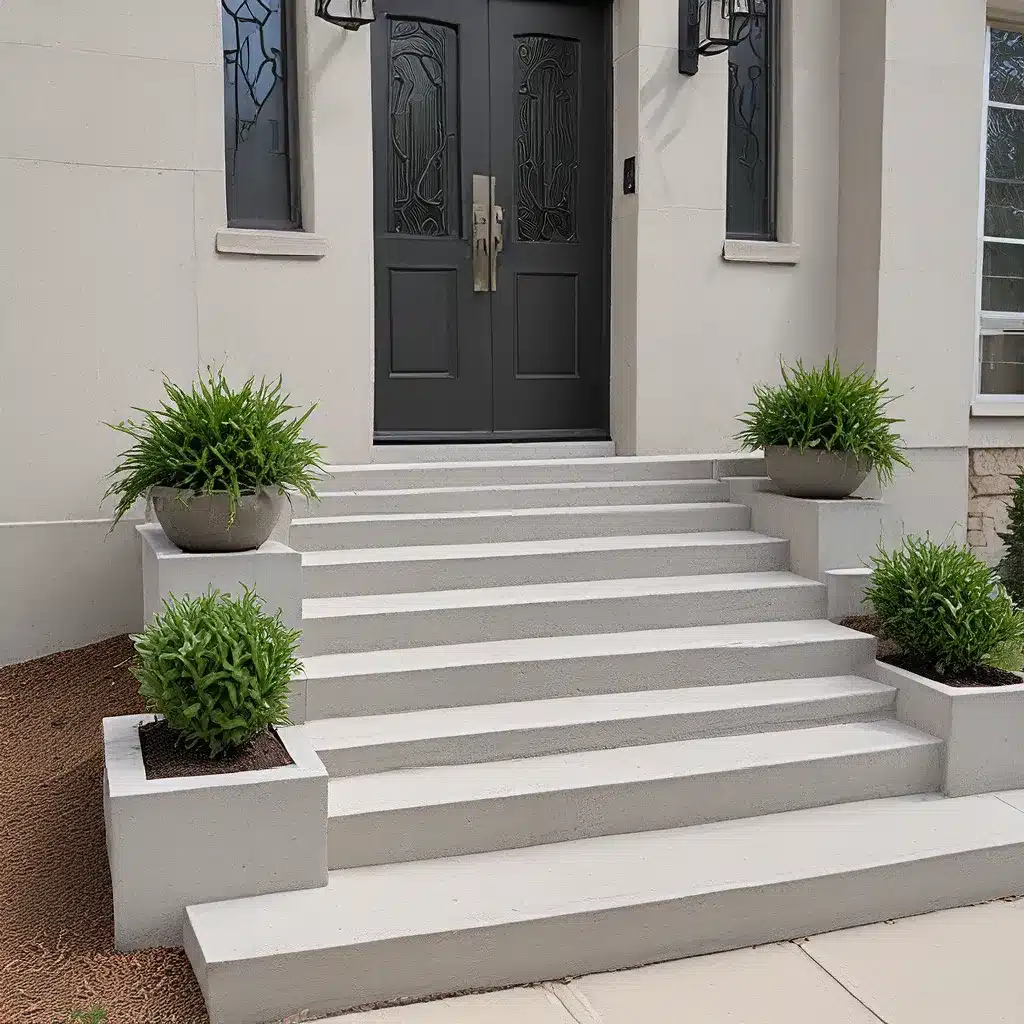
x: 547, y: 138
x: 750, y: 189
x: 423, y: 177
x: 1006, y: 67
x: 1002, y: 364
x: 1002, y: 284
x: 256, y: 114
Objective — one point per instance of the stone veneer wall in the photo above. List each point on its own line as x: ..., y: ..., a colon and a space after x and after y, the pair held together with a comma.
x: 992, y: 473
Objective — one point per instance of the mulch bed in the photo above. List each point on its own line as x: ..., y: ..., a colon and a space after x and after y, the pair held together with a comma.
x: 890, y: 653
x: 56, y: 920
x: 164, y: 758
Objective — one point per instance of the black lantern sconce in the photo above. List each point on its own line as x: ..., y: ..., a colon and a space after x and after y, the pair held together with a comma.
x: 710, y: 27
x: 350, y: 14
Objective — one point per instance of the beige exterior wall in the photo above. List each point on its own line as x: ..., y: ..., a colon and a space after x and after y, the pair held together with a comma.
x: 112, y: 198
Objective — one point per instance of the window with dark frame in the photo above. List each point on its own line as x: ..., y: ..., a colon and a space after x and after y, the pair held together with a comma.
x: 753, y: 129
x: 259, y: 114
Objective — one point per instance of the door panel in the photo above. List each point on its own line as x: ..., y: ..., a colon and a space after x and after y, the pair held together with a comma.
x: 430, y: 136
x: 549, y: 142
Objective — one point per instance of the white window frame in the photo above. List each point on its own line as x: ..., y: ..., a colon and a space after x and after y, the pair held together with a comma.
x: 992, y: 322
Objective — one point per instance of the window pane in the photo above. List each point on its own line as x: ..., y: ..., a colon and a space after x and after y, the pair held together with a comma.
x: 1006, y: 74
x: 1002, y: 364
x: 1002, y: 284
x: 1004, y: 209
x: 750, y: 188
x: 256, y: 126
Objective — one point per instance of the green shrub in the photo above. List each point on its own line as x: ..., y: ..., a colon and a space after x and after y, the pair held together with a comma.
x: 215, y: 439
x: 944, y: 607
x: 217, y: 668
x: 1011, y: 568
x: 826, y: 410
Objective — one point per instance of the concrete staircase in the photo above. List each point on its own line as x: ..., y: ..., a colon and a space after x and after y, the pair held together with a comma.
x: 577, y: 717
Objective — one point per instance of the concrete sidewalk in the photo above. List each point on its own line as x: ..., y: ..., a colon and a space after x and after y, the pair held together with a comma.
x: 954, y: 967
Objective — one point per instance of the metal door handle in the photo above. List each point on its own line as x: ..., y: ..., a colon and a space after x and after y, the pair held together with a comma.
x: 481, y: 233
x: 497, y: 234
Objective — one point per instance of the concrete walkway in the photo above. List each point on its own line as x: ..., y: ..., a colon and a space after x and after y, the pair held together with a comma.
x: 954, y: 967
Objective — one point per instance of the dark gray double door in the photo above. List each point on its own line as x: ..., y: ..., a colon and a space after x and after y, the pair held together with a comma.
x: 491, y: 218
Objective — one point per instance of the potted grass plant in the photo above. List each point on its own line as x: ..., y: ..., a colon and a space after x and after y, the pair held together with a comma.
x: 216, y: 462
x: 823, y: 431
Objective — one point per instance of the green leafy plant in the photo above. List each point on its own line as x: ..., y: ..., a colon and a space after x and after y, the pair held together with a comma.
x: 826, y: 410
x: 944, y: 607
x: 94, y: 1015
x: 1011, y: 568
x: 218, y: 669
x: 214, y: 439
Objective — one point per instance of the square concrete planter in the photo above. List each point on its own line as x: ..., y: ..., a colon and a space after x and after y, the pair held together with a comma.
x: 173, y: 843
x: 983, y: 728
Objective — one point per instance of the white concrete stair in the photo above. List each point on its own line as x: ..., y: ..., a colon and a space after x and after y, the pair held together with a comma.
x: 444, y: 567
x: 482, y: 470
x: 417, y: 929
x: 388, y: 621
x: 495, y: 452
x: 392, y: 501
x: 497, y: 671
x: 463, y: 735
x: 321, y: 533
x: 423, y: 813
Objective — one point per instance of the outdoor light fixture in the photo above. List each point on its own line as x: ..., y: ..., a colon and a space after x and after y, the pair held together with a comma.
x: 350, y: 14
x: 710, y: 27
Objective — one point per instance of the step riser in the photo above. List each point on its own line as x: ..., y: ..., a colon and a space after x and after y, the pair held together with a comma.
x: 466, y: 685
x: 432, y: 627
x: 388, y: 577
x: 314, y: 536
x: 415, y: 967
x: 405, y: 453
x: 503, y: 823
x: 538, y: 742
x: 401, y: 502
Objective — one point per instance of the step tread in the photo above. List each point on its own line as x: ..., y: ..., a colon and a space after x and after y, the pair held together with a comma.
x: 554, y: 648
x: 518, y: 513
x: 541, y: 593
x: 451, y: 784
x: 561, y: 545
x: 708, y: 484
x: 585, y: 460
x: 409, y: 726
x: 417, y: 898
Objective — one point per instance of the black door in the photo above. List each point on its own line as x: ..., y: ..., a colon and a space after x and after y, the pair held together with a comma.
x: 491, y: 218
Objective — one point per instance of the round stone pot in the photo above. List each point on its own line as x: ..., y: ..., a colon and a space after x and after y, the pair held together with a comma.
x: 814, y: 474
x: 198, y: 523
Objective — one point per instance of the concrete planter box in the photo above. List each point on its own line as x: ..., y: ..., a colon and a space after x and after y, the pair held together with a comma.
x: 173, y: 843
x: 983, y: 728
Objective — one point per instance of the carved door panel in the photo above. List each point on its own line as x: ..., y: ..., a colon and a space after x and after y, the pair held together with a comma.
x: 490, y: 218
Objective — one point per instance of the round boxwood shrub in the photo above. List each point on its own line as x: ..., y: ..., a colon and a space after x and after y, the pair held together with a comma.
x: 217, y: 668
x: 945, y: 608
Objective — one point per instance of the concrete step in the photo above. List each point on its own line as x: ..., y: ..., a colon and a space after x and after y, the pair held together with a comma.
x: 493, y: 451
x: 449, y: 736
x: 335, y: 625
x: 327, y: 532
x: 421, y: 813
x: 427, y: 928
x: 550, y: 495
x: 443, y: 567
x: 482, y: 471
x: 497, y: 671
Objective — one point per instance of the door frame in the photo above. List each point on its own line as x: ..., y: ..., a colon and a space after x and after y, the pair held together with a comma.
x: 603, y: 433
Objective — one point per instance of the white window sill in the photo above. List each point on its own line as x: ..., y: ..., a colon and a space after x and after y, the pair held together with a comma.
x: 248, y: 242
x: 1000, y: 407
x: 738, y: 250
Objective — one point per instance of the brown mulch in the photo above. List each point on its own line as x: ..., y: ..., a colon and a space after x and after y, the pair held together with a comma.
x: 164, y: 758
x: 56, y: 920
x: 890, y: 653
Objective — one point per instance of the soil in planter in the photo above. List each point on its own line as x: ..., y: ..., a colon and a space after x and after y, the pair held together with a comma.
x: 890, y: 653
x: 164, y: 758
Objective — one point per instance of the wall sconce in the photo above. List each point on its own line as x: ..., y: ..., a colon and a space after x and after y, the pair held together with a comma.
x: 710, y: 27
x: 350, y: 14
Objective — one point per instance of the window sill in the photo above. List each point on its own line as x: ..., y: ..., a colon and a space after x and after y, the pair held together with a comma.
x: 248, y: 242
x: 738, y: 250
x: 1001, y: 407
